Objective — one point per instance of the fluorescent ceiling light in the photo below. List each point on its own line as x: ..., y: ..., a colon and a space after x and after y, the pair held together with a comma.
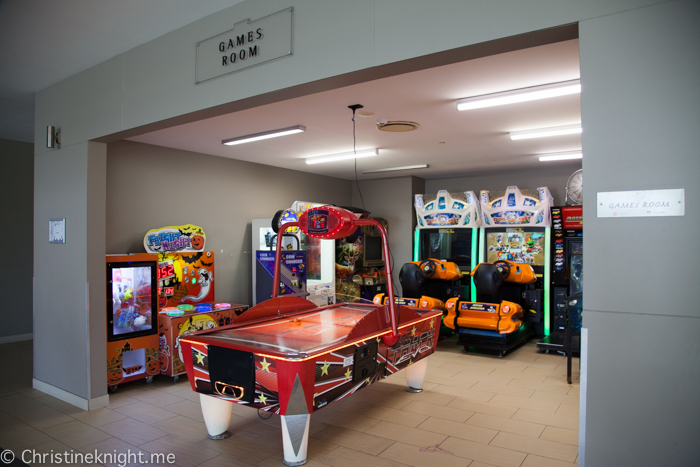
x: 542, y: 132
x: 560, y: 156
x: 391, y: 169
x: 520, y: 95
x: 264, y: 135
x: 342, y: 156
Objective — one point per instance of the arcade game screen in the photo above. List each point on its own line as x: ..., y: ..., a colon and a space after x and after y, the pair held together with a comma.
x: 517, y: 245
x: 445, y: 243
x: 131, y: 301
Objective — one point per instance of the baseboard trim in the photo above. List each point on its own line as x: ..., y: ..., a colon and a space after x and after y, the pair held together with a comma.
x: 70, y: 398
x: 16, y: 338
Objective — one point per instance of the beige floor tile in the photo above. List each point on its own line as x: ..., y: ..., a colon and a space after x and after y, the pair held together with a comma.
x: 407, y: 435
x: 561, y: 421
x: 7, y: 420
x: 502, y: 388
x: 46, y: 454
x: 536, y: 461
x: 133, y: 431
x: 395, y: 416
x: 187, y: 408
x: 59, y: 405
x: 186, y: 454
x: 548, y: 385
x: 352, y: 422
x: 427, y: 396
x: 184, y: 428
x: 243, y: 449
x: 99, y: 417
x: 560, y: 435
x: 158, y: 398
x: 464, y: 393
x: 564, y: 399
x: 439, y: 411
x: 420, y: 457
x: 570, y: 410
x: 482, y: 407
x: 21, y: 436
x: 344, y: 457
x: 120, y: 399
x: 525, y: 403
x: 368, y: 443
x: 458, y: 383
x: 532, y: 430
x: 459, y: 430
x: 113, y: 452
x: 539, y: 447
x: 145, y: 412
x: 483, y: 453
x: 39, y: 415
x: 76, y: 434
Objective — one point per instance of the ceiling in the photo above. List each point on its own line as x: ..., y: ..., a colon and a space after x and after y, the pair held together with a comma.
x: 452, y: 143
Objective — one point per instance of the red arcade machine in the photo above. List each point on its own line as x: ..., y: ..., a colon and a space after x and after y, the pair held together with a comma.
x: 290, y: 357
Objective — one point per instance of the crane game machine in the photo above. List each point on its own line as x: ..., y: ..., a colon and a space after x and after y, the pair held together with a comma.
x: 446, y: 229
x: 517, y: 228
x: 318, y: 254
x: 132, y: 318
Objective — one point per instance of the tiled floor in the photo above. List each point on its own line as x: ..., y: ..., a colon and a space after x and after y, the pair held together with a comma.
x: 476, y: 410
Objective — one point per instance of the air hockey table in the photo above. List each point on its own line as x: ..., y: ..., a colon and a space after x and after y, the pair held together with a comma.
x: 290, y: 357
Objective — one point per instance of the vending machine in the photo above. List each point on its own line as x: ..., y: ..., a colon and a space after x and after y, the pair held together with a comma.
x: 132, y: 318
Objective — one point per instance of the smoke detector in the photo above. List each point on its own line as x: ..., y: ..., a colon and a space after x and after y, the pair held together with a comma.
x: 395, y: 126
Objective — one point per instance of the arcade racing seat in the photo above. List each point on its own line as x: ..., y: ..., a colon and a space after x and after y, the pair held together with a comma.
x: 495, y: 320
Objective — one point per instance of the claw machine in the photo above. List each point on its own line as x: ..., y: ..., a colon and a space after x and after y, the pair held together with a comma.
x: 132, y: 318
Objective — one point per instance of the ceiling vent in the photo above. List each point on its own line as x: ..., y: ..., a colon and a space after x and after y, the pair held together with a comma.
x: 397, y: 126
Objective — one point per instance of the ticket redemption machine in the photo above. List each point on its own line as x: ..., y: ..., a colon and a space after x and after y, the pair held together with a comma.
x: 516, y: 228
x: 567, y: 276
x: 132, y: 318
x: 319, y: 256
x: 447, y: 229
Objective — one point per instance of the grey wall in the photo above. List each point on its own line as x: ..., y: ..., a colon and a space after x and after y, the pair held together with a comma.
x: 68, y: 278
x: 17, y: 193
x: 392, y: 199
x: 151, y: 186
x: 640, y: 108
x: 552, y: 175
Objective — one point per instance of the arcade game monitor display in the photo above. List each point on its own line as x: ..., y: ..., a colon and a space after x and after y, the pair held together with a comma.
x: 521, y: 245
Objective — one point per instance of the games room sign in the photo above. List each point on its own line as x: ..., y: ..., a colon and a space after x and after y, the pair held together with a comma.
x: 248, y: 43
x: 648, y: 203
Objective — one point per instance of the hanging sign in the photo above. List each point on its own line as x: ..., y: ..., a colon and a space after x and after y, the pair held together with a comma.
x: 647, y: 203
x: 247, y: 44
x: 175, y: 239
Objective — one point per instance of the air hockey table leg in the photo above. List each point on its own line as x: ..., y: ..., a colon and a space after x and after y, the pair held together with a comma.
x: 295, y: 438
x: 217, y: 416
x: 415, y: 374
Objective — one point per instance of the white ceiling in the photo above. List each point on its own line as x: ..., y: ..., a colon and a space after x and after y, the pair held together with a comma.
x: 46, y: 41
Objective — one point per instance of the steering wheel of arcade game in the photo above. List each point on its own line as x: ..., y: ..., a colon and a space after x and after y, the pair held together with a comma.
x: 503, y: 268
x: 429, y: 267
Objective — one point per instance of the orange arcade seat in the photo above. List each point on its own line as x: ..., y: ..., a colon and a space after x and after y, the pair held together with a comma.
x: 497, y: 320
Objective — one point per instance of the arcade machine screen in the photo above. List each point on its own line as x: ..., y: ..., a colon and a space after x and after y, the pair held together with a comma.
x: 447, y: 244
x: 131, y: 299
x: 520, y: 245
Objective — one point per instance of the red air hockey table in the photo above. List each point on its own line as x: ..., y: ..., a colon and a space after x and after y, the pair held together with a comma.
x: 290, y: 357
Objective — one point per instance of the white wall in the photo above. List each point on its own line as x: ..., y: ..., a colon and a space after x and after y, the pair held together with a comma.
x: 640, y: 104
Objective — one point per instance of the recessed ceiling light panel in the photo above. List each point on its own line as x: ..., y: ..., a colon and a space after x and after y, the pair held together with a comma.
x: 343, y: 156
x: 513, y: 96
x: 560, y: 156
x: 544, y: 132
x: 264, y: 135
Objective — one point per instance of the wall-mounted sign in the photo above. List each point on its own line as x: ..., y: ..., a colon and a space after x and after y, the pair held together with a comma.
x: 247, y: 44
x: 175, y: 239
x: 647, y: 203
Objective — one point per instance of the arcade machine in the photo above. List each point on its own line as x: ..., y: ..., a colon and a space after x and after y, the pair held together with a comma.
x: 516, y: 228
x: 446, y: 230
x: 185, y: 291
x: 290, y: 357
x: 359, y: 262
x: 567, y: 274
x: 320, y: 254
x: 132, y: 318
